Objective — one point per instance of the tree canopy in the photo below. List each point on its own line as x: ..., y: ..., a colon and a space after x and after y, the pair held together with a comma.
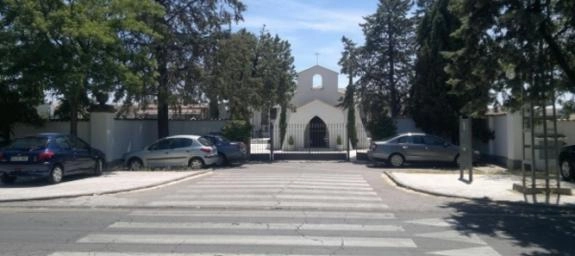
x: 73, y: 47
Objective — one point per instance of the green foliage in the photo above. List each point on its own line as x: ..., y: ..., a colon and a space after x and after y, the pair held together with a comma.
x: 430, y: 96
x: 290, y: 141
x: 338, y: 140
x: 76, y: 47
x: 509, y: 46
x: 189, y: 30
x: 17, y: 105
x: 252, y: 73
x: 350, y: 66
x: 237, y: 130
x: 382, y: 127
x: 387, y: 57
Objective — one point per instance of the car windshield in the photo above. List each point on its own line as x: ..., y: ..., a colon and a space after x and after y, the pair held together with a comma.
x: 29, y: 143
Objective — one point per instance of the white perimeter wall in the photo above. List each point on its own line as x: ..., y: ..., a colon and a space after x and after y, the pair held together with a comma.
x: 116, y: 137
x: 507, y: 147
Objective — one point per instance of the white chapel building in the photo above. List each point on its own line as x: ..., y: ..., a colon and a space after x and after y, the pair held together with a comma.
x: 314, y: 119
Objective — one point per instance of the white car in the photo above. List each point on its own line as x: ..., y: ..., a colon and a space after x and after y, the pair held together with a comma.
x: 175, y: 151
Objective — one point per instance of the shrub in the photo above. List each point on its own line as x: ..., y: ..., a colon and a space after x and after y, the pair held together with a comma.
x: 237, y: 130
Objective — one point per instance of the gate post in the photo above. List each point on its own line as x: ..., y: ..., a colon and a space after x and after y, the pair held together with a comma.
x: 465, y: 148
x: 272, y: 114
x: 272, y: 141
x: 348, y: 143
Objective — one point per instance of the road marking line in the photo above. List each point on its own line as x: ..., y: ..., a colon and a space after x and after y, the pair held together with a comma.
x: 193, y: 191
x: 483, y: 251
x: 289, y: 186
x: 320, y: 241
x: 167, y: 254
x: 257, y: 226
x: 282, y: 184
x: 279, y: 196
x: 269, y: 214
x: 454, y: 236
x: 430, y: 222
x: 271, y: 204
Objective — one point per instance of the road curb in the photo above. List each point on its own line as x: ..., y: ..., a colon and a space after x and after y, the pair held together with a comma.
x: 403, y: 185
x: 485, y: 198
x: 116, y: 191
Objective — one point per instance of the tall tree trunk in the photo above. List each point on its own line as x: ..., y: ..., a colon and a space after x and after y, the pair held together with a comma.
x: 74, y: 114
x: 283, y: 122
x: 163, y: 94
x: 394, y: 109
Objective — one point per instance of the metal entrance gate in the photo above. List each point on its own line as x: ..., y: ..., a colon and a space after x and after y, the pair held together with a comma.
x: 315, y: 140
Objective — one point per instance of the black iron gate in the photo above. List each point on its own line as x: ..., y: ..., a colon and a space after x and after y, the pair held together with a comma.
x: 315, y: 140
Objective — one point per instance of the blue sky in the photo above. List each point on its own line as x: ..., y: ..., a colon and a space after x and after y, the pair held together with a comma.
x: 311, y: 26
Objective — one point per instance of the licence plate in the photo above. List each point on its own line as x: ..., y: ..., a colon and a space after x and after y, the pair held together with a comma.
x: 19, y: 159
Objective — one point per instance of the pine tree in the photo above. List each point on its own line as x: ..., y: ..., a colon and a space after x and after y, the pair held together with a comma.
x: 187, y: 30
x: 387, y: 57
x: 431, y: 105
x: 349, y: 65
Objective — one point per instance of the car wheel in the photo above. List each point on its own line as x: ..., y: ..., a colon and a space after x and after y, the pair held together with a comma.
x: 56, y: 174
x: 7, y: 179
x: 196, y: 163
x: 566, y: 170
x: 135, y: 164
x: 396, y: 160
x: 98, y: 167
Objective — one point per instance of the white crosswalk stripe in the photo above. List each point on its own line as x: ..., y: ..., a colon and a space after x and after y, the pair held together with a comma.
x: 296, y: 215
x: 271, y: 204
x: 279, y: 197
x: 324, y: 241
x: 257, y: 226
x: 268, y: 191
x: 269, y: 214
x: 169, y: 254
x: 289, y: 186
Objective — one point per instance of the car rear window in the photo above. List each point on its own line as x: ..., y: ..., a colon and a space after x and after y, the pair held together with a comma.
x: 204, y: 141
x: 223, y: 139
x: 29, y: 143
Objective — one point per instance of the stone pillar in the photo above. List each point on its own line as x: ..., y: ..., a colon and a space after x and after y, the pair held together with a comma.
x: 102, y: 133
x: 514, y: 144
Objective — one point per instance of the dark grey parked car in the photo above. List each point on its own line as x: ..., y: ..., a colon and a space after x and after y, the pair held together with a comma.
x: 413, y: 147
x: 229, y: 151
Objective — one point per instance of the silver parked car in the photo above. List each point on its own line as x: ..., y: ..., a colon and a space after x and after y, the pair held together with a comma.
x: 413, y: 147
x: 180, y: 150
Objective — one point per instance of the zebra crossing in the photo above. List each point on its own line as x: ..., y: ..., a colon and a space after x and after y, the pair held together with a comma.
x: 252, y: 214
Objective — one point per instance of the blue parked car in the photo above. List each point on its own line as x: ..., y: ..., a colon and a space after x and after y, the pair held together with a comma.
x: 228, y: 151
x: 49, y: 155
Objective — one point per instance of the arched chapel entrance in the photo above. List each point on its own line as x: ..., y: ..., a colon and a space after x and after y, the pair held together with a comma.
x: 316, y: 134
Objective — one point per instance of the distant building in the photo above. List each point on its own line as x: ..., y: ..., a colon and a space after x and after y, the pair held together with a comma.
x: 315, y: 120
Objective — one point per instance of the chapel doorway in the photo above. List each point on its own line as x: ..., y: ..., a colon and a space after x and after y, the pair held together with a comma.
x: 317, y: 135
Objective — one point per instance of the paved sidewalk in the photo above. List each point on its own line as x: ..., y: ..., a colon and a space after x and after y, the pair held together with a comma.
x: 492, y: 186
x: 108, y: 183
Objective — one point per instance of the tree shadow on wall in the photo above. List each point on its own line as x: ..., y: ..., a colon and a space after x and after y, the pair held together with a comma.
x: 547, y: 227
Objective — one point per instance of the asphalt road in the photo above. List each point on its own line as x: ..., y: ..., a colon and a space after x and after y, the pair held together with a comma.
x: 283, y: 209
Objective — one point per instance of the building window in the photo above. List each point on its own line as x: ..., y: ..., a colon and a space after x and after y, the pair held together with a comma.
x: 317, y: 82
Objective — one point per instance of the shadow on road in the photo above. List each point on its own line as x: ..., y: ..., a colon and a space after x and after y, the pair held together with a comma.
x: 538, y: 226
